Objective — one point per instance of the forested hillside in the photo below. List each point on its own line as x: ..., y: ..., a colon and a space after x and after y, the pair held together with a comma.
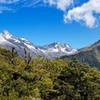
x: 29, y: 78
x: 90, y: 55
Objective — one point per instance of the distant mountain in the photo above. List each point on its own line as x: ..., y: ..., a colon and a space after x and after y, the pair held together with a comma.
x: 56, y: 49
x: 90, y: 54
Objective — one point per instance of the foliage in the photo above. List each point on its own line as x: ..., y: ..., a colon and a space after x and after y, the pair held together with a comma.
x: 45, y: 79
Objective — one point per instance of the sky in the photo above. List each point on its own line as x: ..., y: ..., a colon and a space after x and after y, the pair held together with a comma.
x: 75, y: 22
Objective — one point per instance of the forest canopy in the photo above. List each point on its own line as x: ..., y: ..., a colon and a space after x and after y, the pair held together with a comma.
x: 30, y: 78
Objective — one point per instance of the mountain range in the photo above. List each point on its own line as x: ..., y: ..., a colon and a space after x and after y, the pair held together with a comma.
x: 89, y: 54
x: 56, y: 49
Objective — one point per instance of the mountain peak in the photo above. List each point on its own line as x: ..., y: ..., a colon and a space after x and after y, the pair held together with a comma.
x: 6, y: 34
x: 58, y: 42
x: 61, y: 44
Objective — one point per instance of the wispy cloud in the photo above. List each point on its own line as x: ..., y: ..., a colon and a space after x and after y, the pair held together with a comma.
x: 88, y: 12
x: 31, y: 3
x: 8, y: 5
x: 4, y: 9
x: 59, y: 4
x: 8, y: 1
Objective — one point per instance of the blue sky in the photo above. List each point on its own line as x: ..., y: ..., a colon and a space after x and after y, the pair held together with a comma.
x: 44, y: 22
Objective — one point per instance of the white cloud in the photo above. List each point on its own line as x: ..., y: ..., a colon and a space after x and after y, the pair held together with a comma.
x: 85, y: 13
x: 60, y: 4
x: 8, y: 1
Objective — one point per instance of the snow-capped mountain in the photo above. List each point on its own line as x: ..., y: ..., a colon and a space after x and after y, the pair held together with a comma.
x: 56, y: 49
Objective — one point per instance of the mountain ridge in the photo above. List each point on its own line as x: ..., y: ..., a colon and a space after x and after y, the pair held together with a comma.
x: 56, y: 49
x: 89, y: 54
